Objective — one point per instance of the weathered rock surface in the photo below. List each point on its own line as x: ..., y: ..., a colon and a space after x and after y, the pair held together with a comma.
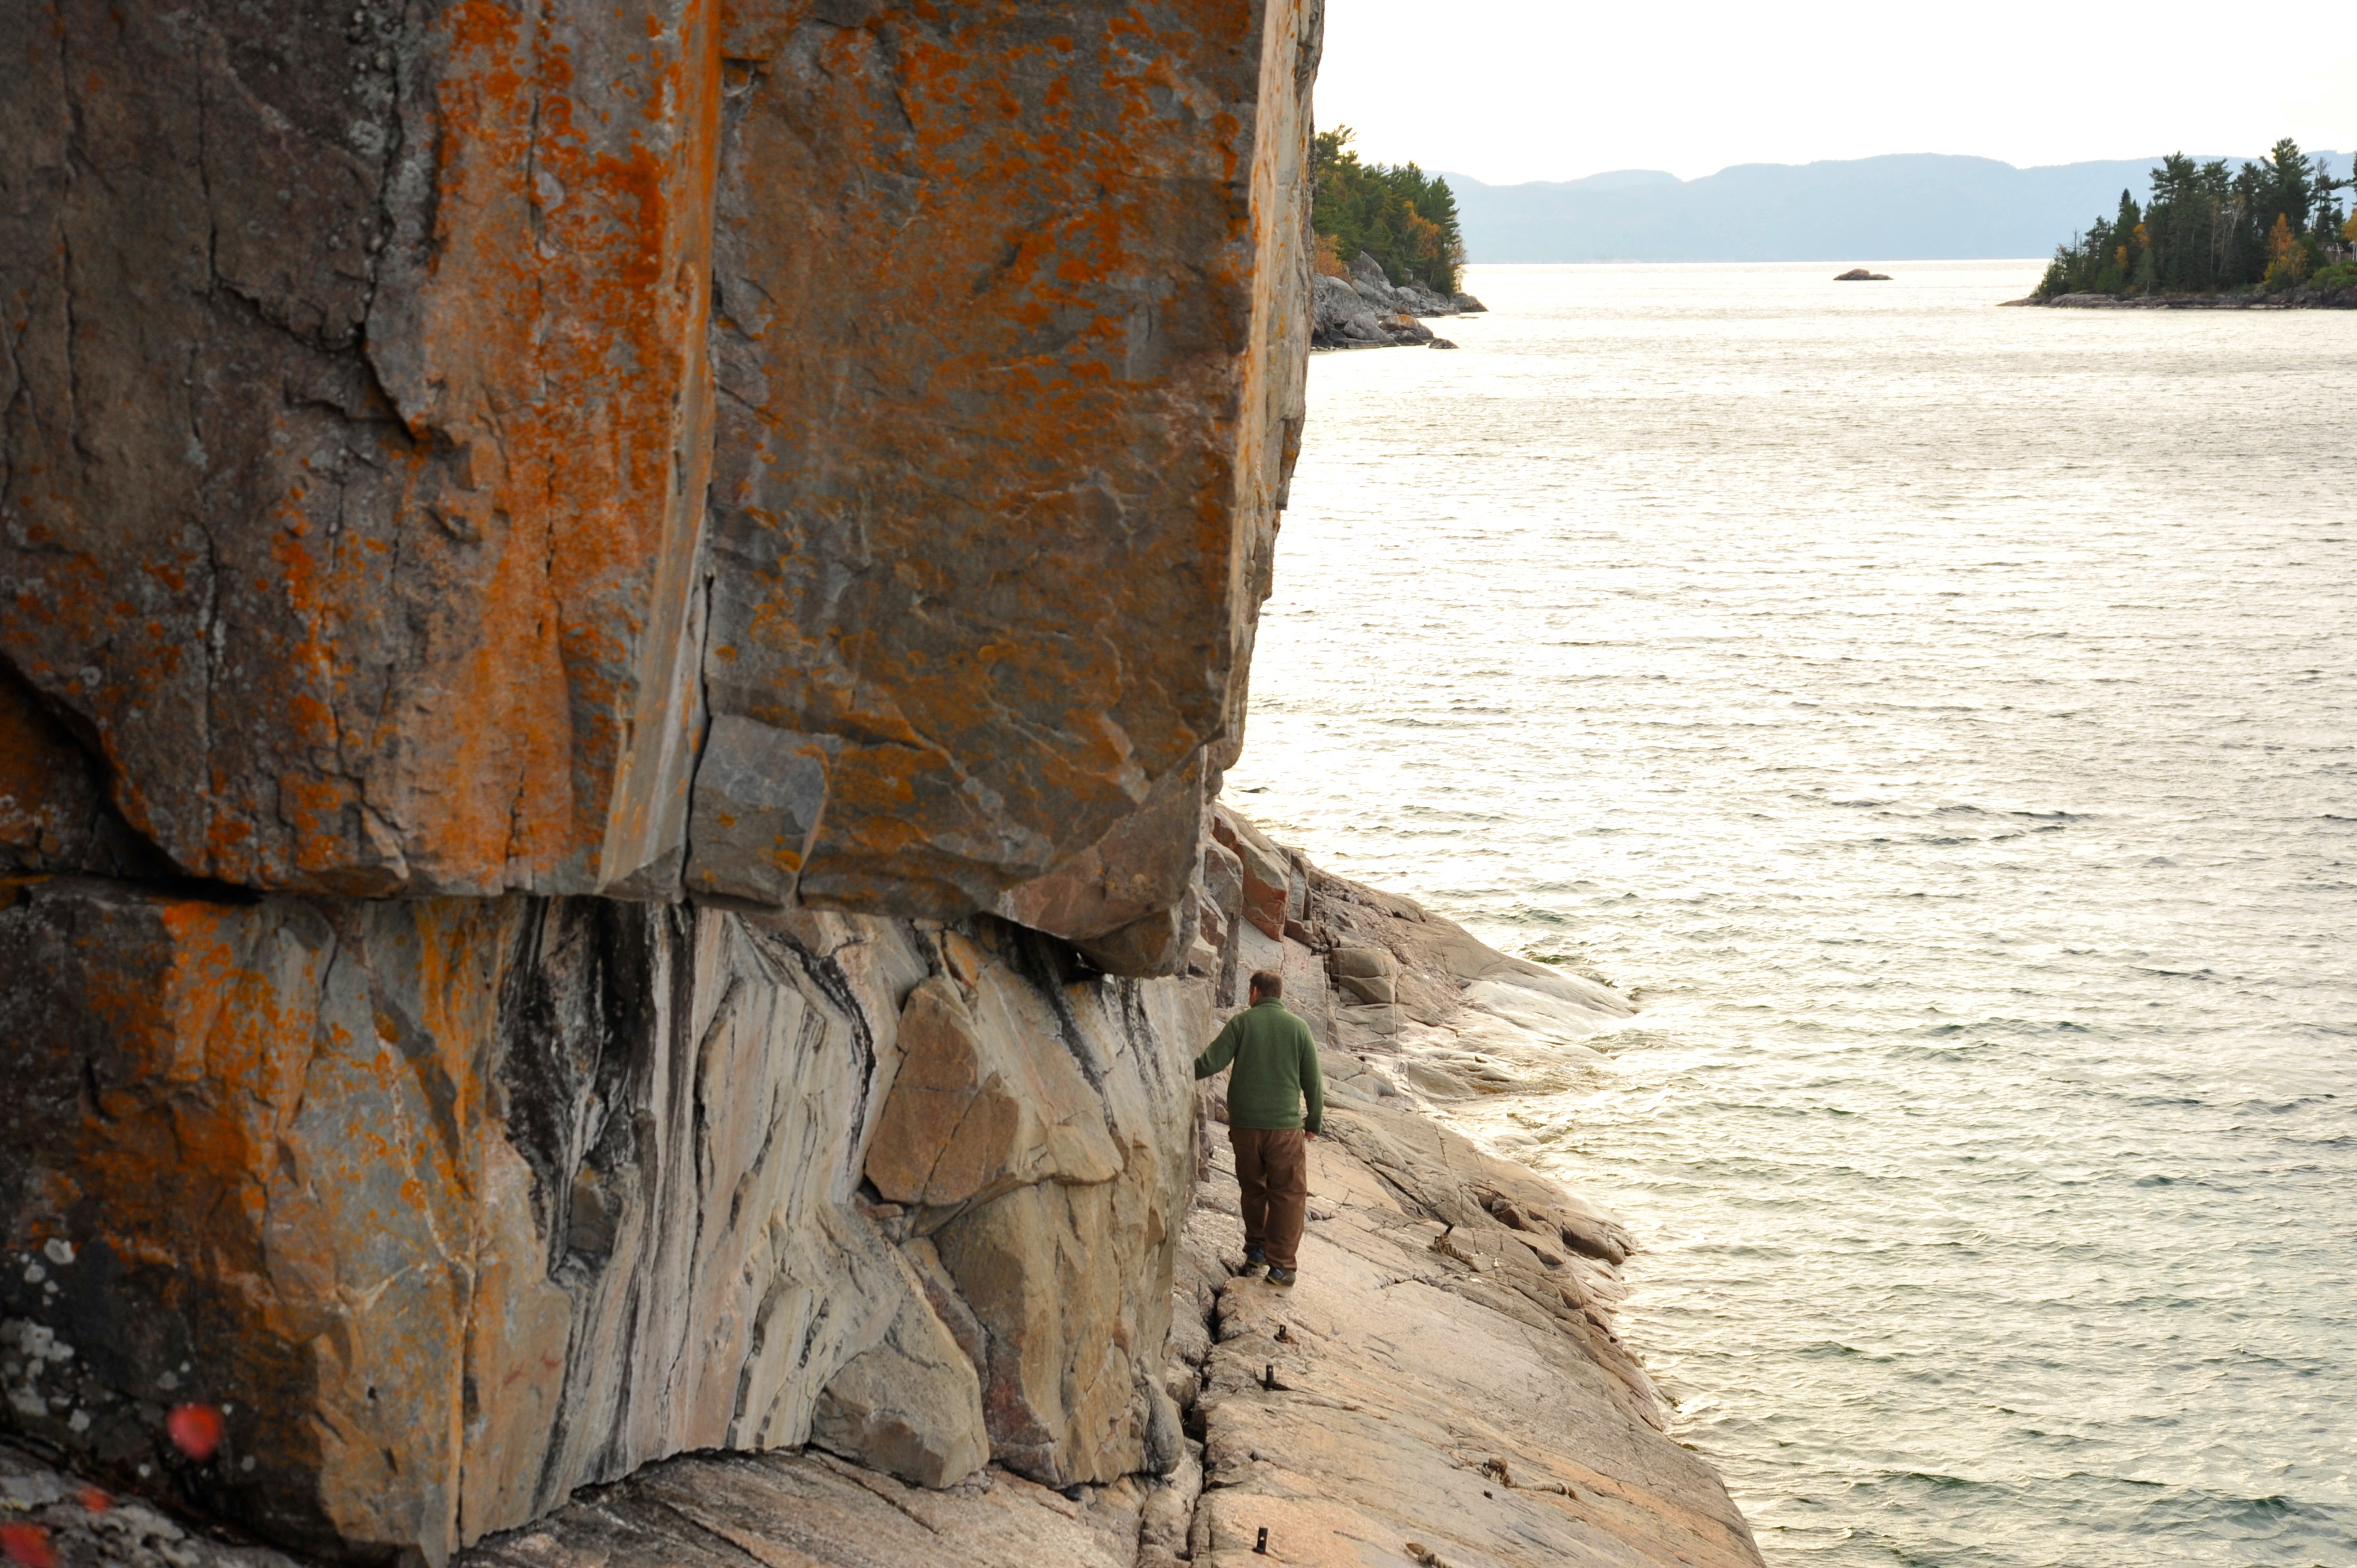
x: 807, y: 1511
x: 1265, y: 872
x: 54, y: 812
x: 358, y: 427
x: 1435, y: 1378
x: 1347, y: 319
x: 973, y: 1114
x: 473, y: 478
x: 1031, y: 1274
x: 1008, y: 340
x: 1141, y: 869
x: 1368, y: 278
x: 454, y: 1205
x: 1444, y: 1383
x: 1445, y: 1373
x: 622, y: 623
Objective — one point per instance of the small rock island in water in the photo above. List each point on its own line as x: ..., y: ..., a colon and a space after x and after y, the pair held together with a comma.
x: 1859, y: 275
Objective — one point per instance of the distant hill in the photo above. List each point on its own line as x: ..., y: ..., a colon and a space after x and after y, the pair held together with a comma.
x: 1902, y: 207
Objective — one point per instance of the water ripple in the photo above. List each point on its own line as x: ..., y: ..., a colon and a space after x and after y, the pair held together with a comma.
x: 1941, y: 717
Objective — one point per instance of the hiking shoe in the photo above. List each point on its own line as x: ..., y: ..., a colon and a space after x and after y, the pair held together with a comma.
x: 1277, y: 1276
x: 1254, y: 1261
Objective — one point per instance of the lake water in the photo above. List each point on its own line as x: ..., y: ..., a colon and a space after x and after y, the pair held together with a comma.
x: 1944, y: 719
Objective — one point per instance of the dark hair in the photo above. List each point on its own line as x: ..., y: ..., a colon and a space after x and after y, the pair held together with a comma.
x: 1268, y: 983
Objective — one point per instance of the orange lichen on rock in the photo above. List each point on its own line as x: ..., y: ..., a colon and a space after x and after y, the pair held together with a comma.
x: 355, y: 507
x: 437, y: 1209
x: 996, y: 480
x: 356, y: 515
x: 537, y: 541
x: 237, y: 1140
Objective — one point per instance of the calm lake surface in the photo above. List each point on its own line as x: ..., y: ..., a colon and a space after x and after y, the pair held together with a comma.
x: 1944, y: 719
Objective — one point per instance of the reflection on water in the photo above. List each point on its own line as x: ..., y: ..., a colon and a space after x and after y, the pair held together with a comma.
x: 1945, y: 719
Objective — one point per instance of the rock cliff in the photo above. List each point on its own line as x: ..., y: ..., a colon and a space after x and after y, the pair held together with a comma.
x: 487, y: 448
x: 620, y: 627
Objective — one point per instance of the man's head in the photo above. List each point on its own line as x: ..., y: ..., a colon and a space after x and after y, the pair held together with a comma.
x: 1267, y: 985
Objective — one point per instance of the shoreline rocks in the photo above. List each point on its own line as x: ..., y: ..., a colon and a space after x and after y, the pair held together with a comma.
x: 1444, y: 1384
x: 2302, y: 298
x: 1442, y: 1375
x: 1364, y: 310
x: 512, y: 746
x: 604, y: 889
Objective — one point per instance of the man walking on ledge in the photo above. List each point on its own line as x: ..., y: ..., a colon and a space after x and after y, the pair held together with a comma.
x: 1275, y: 1068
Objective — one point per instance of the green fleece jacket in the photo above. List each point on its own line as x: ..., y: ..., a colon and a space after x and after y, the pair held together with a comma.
x: 1277, y: 1069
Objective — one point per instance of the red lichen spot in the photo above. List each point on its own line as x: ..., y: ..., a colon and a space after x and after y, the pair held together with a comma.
x: 93, y: 1500
x: 195, y: 1430
x: 27, y: 1546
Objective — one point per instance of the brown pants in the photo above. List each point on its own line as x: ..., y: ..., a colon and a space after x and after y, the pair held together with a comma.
x: 1272, y: 1167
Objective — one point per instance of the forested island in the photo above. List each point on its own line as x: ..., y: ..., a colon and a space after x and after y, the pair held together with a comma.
x: 1403, y: 217
x: 2207, y: 233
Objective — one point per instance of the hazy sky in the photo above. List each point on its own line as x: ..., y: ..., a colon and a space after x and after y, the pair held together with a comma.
x: 1517, y: 90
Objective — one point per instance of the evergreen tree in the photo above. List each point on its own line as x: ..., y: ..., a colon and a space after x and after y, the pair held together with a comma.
x: 2206, y: 227
x: 2287, y: 186
x: 1398, y: 214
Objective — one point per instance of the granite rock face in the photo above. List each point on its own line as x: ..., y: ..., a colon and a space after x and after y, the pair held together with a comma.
x: 1008, y: 340
x: 356, y: 430
x: 75, y: 1522
x: 357, y: 427
x: 54, y: 813
x: 807, y: 1511
x: 573, y: 578
x: 883, y: 1207
x: 1265, y: 872
x: 454, y: 1205
x: 708, y: 1511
